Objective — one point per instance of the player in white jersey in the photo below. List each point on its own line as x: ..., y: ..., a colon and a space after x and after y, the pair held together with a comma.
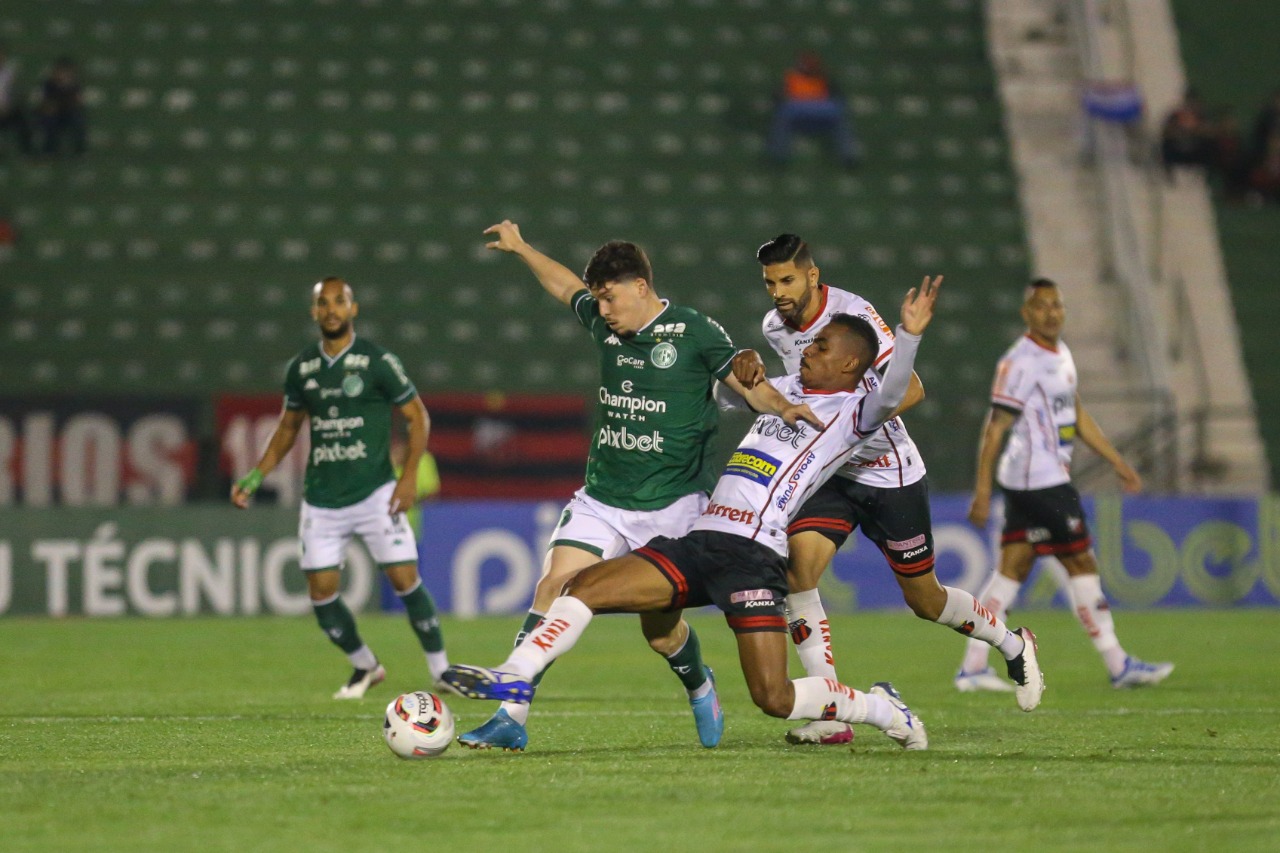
x: 882, y: 489
x: 1034, y: 401
x: 735, y: 556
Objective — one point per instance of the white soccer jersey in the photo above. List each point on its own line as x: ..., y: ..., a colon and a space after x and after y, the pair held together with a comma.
x: 890, y: 459
x: 777, y: 466
x: 1039, y: 384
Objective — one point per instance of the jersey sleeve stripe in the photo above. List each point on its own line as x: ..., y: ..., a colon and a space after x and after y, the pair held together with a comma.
x: 724, y: 370
x: 404, y: 398
x: 1008, y: 401
x: 884, y: 355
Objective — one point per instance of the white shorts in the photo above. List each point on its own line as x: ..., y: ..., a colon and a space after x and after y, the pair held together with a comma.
x: 610, y: 532
x: 324, y: 533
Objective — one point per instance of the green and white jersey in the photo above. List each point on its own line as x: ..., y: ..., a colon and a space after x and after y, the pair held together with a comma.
x: 348, y: 399
x: 655, y: 415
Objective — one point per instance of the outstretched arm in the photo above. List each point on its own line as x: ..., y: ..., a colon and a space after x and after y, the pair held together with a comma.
x: 764, y: 398
x: 555, y: 277
x: 917, y: 310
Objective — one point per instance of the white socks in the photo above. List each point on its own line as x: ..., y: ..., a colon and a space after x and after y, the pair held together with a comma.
x: 996, y: 595
x: 1091, y: 608
x: 963, y: 613
x: 437, y: 663
x: 811, y: 632
x: 566, y: 619
x: 828, y: 699
x: 363, y: 658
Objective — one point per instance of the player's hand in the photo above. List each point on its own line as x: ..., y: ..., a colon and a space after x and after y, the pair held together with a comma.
x: 402, y: 497
x: 1130, y: 480
x: 508, y: 233
x: 980, y: 510
x: 917, y: 308
x: 748, y: 368
x: 244, y: 488
x: 801, y: 412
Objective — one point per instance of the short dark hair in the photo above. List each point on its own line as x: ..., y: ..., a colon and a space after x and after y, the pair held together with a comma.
x: 617, y: 260
x: 859, y: 327
x: 1037, y: 284
x: 783, y: 248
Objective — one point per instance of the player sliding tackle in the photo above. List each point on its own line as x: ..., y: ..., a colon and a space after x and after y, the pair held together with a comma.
x: 735, y: 556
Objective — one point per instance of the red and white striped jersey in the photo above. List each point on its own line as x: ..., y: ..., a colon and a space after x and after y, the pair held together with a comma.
x: 1039, y: 385
x: 890, y: 459
x: 777, y: 466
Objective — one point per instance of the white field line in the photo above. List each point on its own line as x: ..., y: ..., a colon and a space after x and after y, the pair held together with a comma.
x: 220, y: 718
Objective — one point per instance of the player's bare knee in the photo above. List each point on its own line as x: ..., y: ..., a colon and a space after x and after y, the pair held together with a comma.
x: 773, y: 700
x: 925, y: 602
x: 323, y: 584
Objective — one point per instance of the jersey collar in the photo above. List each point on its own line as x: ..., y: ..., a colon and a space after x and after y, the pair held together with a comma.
x: 822, y: 309
x: 666, y: 303
x: 1053, y: 350
x: 329, y: 362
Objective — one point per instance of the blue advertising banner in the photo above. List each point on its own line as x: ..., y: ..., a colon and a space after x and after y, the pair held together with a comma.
x: 480, y: 557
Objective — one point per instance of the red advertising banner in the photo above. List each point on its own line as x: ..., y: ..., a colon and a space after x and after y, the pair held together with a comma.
x: 87, y: 451
x: 486, y: 445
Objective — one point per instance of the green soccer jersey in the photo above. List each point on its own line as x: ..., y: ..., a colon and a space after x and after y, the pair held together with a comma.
x: 655, y: 414
x: 348, y: 400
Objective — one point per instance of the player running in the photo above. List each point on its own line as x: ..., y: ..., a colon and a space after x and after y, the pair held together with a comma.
x: 735, y: 556
x: 1035, y: 402
x: 344, y: 388
x: 650, y: 469
x: 881, y: 489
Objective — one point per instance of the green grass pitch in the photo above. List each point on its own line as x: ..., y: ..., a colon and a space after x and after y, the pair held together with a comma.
x: 219, y: 734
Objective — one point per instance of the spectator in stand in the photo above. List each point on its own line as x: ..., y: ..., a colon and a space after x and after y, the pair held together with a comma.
x: 13, y: 103
x: 1187, y: 138
x: 1266, y: 125
x: 62, y: 108
x: 809, y: 102
x: 1264, y: 180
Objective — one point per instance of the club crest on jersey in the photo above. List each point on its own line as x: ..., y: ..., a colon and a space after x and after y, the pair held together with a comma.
x: 755, y: 466
x: 352, y: 385
x: 663, y: 355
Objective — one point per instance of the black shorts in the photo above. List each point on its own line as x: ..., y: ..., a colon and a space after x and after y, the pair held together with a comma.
x: 897, y: 520
x: 745, y: 579
x: 1049, y: 520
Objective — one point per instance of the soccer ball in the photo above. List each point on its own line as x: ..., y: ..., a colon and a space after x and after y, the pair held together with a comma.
x: 418, y: 725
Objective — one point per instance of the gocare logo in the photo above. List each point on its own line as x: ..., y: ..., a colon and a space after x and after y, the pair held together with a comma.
x: 623, y: 439
x: 631, y: 361
x: 339, y: 452
x: 631, y: 404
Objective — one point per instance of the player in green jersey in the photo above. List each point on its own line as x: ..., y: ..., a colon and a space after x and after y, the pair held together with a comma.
x: 344, y: 388
x: 650, y: 468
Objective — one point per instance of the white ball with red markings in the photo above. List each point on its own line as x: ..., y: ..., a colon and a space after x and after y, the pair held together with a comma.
x: 418, y: 725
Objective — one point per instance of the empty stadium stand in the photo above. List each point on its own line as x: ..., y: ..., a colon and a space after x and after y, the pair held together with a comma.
x: 241, y: 149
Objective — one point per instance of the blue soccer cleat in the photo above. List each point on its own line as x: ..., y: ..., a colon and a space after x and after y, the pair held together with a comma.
x: 1139, y: 673
x: 708, y: 715
x: 476, y: 682
x: 500, y: 732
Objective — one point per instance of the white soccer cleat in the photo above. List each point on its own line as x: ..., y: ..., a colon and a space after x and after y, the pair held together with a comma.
x: 360, y: 682
x: 824, y: 732
x: 1026, y: 674
x: 908, y: 729
x: 1139, y: 673
x: 984, y: 680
